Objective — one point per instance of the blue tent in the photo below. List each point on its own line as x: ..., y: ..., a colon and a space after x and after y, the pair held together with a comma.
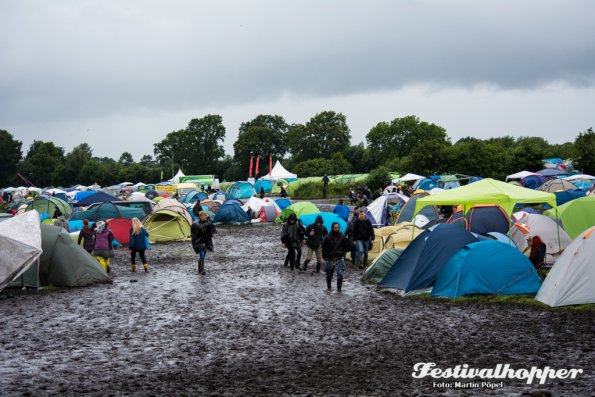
x: 232, y: 201
x: 220, y: 195
x: 552, y: 172
x: 418, y: 270
x: 583, y: 185
x: 78, y: 196
x: 327, y: 220
x: 193, y: 196
x: 425, y: 184
x: 231, y: 213
x: 264, y: 183
x: 97, y: 197
x: 487, y: 267
x: 475, y: 179
x: 241, y: 190
x: 568, y: 195
x: 283, y: 203
x: 487, y: 219
x: 342, y: 211
x: 533, y: 181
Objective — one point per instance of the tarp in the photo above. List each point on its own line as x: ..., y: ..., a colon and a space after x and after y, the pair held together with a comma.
x: 20, y: 245
x: 487, y: 267
x: 63, y: 263
x: 487, y: 191
x: 279, y: 172
x: 571, y: 279
x: 576, y: 215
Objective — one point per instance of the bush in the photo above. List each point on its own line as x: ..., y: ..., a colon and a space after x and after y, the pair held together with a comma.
x: 379, y: 178
x: 314, y: 190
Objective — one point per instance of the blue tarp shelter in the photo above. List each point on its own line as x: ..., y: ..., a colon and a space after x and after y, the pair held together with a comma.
x: 487, y: 267
x: 231, y: 213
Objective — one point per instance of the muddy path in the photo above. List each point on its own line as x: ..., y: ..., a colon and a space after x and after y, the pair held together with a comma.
x: 253, y: 327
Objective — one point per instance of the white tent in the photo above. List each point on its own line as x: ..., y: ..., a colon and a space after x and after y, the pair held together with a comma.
x: 256, y: 204
x: 553, y: 236
x: 410, y: 177
x: 520, y: 175
x: 279, y: 172
x: 571, y: 279
x: 179, y: 174
x: 20, y: 245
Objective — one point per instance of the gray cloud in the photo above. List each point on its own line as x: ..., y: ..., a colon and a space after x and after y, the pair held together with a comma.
x: 63, y: 61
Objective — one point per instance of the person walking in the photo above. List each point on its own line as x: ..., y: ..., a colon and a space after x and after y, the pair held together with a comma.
x: 363, y: 235
x: 334, y: 247
x: 292, y: 238
x: 104, y: 248
x: 325, y: 182
x: 202, y: 239
x: 196, y: 208
x: 138, y: 243
x: 315, y: 233
x: 87, y: 235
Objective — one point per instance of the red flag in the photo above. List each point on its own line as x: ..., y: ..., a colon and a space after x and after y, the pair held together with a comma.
x: 257, y: 162
x: 250, y: 169
x: 270, y: 164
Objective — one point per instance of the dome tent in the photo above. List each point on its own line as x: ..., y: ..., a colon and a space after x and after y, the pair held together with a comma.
x: 50, y: 205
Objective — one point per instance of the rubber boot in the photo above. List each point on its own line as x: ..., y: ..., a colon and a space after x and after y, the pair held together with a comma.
x: 146, y: 267
x: 201, y: 268
x: 133, y: 267
x: 102, y: 262
x: 328, y: 283
x: 318, y: 267
x: 339, y: 285
x: 107, y: 268
x: 306, y: 265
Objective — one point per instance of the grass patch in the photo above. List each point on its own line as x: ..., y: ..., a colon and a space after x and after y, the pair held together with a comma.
x: 527, y: 300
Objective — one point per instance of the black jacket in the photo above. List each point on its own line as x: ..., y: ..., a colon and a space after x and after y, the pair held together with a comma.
x: 202, y: 235
x: 293, y: 234
x: 334, y: 245
x: 363, y: 230
x: 319, y: 233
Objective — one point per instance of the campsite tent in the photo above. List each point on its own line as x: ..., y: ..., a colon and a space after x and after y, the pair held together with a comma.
x: 266, y: 184
x: 529, y: 225
x: 419, y: 265
x: 240, y: 190
x: 49, y: 206
x: 568, y: 195
x: 533, y: 181
x: 279, y: 172
x: 283, y: 203
x: 487, y: 267
x: 425, y: 184
x: 381, y: 265
x: 395, y: 236
x: 120, y: 228
x: 108, y: 210
x: 193, y: 196
x: 220, y: 196
x: 487, y: 191
x: 520, y: 175
x: 328, y: 218
x: 377, y: 211
x: 231, y: 213
x: 175, y: 206
x: 571, y: 279
x: 97, y: 197
x: 300, y: 208
x: 483, y: 219
x: 20, y: 246
x: 408, y: 210
x: 410, y: 177
x: 576, y: 215
x: 556, y: 184
x: 166, y: 225
x: 549, y: 172
x: 63, y: 263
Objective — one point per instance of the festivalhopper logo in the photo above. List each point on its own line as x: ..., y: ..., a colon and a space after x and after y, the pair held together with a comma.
x: 500, y: 371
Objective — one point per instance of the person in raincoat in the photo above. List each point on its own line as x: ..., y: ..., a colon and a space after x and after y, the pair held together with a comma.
x: 363, y: 236
x: 138, y: 243
x: 292, y: 238
x: 315, y: 233
x: 104, y: 248
x: 202, y: 239
x: 334, y: 246
x: 87, y: 235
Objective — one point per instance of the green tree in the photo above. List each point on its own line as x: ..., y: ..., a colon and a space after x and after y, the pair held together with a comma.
x: 325, y: 134
x: 104, y: 171
x: 126, y: 159
x: 403, y: 136
x: 529, y: 152
x: 147, y: 161
x: 265, y: 135
x: 74, y: 162
x: 584, y: 147
x: 43, y: 164
x: 336, y: 165
x: 10, y: 156
x: 196, y: 149
x: 379, y: 178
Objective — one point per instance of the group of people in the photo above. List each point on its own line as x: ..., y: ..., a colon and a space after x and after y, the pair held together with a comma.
x: 328, y: 246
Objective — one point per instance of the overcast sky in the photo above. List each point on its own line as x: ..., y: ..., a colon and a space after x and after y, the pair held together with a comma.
x: 120, y: 75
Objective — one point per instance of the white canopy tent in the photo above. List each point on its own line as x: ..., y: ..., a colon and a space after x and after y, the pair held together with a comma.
x: 179, y: 174
x: 20, y: 245
x: 520, y: 175
x: 279, y: 172
x: 410, y: 177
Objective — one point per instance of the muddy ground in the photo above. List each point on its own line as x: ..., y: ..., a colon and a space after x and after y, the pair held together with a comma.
x: 253, y: 327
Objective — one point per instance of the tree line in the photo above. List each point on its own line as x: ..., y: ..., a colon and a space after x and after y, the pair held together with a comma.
x: 320, y: 146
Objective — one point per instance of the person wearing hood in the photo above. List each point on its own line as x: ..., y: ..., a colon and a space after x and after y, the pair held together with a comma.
x: 62, y: 222
x: 292, y: 238
x: 342, y: 210
x: 315, y: 233
x: 202, y: 239
x: 363, y: 234
x: 104, y: 248
x: 334, y: 246
x: 87, y: 235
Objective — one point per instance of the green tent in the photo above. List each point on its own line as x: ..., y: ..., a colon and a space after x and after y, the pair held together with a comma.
x: 381, y: 265
x: 351, y: 178
x: 63, y: 263
x: 166, y: 225
x: 108, y: 210
x: 299, y: 209
x: 487, y: 191
x: 223, y: 186
x: 576, y: 215
x: 276, y: 187
x: 49, y: 206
